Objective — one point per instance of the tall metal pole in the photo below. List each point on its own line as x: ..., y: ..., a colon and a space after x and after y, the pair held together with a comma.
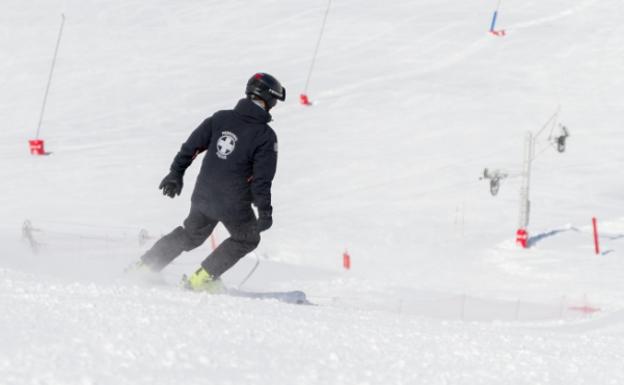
x: 318, y: 44
x: 45, y: 96
x: 525, y: 204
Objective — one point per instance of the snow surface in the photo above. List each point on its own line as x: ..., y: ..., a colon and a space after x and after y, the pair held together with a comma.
x: 412, y: 101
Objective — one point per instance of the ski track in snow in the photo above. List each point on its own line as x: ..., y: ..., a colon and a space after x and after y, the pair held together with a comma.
x: 549, y: 19
x: 130, y: 334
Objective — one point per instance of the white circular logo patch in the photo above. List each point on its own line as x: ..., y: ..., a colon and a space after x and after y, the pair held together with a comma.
x: 226, y: 144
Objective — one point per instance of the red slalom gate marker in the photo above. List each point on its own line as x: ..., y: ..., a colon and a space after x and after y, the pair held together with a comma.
x: 596, y: 243
x: 522, y: 238
x: 586, y: 309
x: 303, y: 98
x: 346, y: 260
x: 37, y: 147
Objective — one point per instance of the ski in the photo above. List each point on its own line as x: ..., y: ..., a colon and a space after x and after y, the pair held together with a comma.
x: 295, y: 297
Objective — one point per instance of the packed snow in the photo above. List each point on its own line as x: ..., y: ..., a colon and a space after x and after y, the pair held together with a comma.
x: 411, y: 101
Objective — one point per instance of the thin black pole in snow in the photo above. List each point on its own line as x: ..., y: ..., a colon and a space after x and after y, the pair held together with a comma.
x: 45, y: 96
x: 304, y: 96
x: 253, y: 269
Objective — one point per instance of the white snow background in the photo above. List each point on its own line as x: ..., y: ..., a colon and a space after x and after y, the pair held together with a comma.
x: 412, y: 100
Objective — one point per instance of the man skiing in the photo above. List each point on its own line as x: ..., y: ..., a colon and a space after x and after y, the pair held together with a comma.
x: 237, y: 171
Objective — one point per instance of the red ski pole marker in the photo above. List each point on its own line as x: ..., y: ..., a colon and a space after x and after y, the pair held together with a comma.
x: 346, y: 260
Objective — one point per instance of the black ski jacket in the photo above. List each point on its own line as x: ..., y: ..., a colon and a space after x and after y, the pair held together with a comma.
x: 239, y: 165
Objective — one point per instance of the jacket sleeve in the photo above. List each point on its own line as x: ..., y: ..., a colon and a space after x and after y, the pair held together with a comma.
x: 194, y: 145
x: 264, y: 165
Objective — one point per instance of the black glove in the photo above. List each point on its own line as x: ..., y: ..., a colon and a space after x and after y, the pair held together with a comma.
x: 265, y: 219
x: 172, y: 184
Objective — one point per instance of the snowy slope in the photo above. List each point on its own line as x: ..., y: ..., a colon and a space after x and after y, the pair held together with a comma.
x: 412, y: 101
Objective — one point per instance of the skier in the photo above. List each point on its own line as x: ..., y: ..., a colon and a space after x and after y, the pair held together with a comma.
x: 237, y: 171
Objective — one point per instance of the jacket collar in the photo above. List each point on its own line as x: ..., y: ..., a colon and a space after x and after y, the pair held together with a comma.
x: 252, y: 112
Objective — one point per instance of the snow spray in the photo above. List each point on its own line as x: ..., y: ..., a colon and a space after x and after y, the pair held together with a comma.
x: 493, y: 30
x: 303, y: 98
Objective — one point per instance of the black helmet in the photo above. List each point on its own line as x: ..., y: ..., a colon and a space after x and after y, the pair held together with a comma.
x: 267, y: 88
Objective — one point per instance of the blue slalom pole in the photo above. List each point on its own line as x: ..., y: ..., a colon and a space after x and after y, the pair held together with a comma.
x: 495, y: 16
x: 493, y: 20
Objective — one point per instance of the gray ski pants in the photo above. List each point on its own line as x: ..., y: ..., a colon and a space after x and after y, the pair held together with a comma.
x: 197, y: 227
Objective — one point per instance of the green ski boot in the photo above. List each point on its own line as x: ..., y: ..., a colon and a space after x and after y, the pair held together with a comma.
x: 203, y: 281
